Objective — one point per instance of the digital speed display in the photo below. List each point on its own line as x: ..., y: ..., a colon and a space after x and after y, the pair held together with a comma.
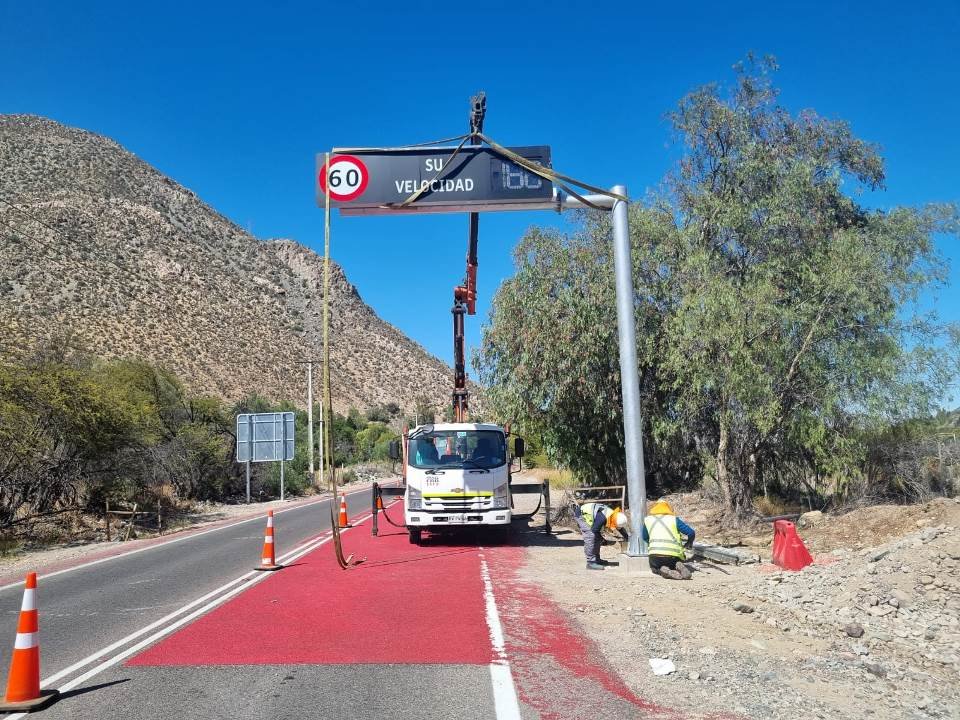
x: 507, y: 176
x: 476, y: 179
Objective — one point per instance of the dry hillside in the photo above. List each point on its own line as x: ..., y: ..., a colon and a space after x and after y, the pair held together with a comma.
x: 99, y: 247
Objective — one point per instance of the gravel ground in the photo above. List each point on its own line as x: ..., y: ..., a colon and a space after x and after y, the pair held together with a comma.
x: 864, y: 632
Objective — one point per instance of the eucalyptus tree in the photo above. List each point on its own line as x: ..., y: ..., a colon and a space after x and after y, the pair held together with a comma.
x: 775, y: 309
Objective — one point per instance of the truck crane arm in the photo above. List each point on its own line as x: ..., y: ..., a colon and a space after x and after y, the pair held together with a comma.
x: 465, y: 295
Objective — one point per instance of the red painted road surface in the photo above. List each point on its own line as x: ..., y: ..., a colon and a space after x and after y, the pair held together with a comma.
x: 412, y: 605
x: 405, y: 604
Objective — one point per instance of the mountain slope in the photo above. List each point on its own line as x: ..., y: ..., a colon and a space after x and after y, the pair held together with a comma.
x: 99, y: 246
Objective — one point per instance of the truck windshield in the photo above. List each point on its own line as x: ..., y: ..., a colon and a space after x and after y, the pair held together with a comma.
x: 458, y: 449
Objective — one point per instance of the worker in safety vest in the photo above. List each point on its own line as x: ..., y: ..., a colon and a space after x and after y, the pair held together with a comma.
x: 664, y: 534
x: 592, y: 517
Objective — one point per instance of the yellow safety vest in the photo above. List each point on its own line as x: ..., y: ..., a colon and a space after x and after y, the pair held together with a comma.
x: 589, y: 511
x: 664, y: 536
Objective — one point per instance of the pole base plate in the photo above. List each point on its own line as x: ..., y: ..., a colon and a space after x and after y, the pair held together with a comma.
x: 633, y: 565
x: 47, y: 697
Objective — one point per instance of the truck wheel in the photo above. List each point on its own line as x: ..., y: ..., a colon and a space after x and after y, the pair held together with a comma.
x: 415, y: 536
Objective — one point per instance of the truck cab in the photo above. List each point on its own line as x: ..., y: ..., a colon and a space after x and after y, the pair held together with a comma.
x: 457, y: 475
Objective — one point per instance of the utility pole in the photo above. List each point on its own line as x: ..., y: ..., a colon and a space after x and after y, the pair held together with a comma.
x: 309, y: 364
x: 322, y: 441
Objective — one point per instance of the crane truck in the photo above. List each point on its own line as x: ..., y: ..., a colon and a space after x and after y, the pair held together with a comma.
x: 458, y: 474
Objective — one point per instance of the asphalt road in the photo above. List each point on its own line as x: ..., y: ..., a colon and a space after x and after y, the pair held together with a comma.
x: 87, y: 609
x: 187, y: 629
x: 129, y: 601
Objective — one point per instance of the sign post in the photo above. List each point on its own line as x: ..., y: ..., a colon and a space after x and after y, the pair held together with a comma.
x: 249, y: 450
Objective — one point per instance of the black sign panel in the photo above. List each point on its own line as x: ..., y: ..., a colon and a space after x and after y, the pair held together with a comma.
x: 477, y: 179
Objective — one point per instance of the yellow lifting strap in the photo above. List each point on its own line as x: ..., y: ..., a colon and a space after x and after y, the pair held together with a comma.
x: 559, y: 179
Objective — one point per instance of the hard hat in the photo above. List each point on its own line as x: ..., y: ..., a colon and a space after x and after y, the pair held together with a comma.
x: 661, y: 507
x: 617, y: 519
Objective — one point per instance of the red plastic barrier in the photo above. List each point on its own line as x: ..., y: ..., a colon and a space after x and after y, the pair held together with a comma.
x: 789, y: 552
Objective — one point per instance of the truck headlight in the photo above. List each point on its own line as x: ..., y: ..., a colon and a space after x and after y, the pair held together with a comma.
x: 500, y: 499
x: 414, y: 498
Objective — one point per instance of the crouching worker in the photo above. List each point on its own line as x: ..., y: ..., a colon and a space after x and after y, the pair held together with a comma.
x: 592, y: 517
x: 664, y: 534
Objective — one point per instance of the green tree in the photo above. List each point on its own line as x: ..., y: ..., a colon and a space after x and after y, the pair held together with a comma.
x: 774, y: 311
x: 792, y: 298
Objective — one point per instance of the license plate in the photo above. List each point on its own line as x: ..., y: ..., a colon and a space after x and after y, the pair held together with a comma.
x: 457, y: 518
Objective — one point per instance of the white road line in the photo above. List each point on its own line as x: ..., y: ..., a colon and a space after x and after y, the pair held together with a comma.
x: 152, y: 626
x: 505, y: 702
x: 171, y: 541
x: 250, y: 582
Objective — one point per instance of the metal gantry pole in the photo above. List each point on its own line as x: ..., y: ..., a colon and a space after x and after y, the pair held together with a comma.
x: 629, y: 374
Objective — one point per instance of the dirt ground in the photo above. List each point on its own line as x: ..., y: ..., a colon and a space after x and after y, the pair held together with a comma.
x: 890, y: 575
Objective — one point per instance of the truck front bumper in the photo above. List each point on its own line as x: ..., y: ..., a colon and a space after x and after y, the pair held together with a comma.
x: 423, y: 519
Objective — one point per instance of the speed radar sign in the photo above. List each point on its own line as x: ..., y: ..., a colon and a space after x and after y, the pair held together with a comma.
x: 348, y: 178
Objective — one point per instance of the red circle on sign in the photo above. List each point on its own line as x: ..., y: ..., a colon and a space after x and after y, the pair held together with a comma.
x: 355, y: 191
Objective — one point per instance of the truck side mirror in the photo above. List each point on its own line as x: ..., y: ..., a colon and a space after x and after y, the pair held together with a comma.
x: 394, y: 449
x: 518, y: 447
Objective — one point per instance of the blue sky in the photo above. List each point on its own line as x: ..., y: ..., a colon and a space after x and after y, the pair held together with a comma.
x: 233, y: 100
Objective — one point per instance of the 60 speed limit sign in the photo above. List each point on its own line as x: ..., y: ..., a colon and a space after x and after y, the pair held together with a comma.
x: 348, y: 178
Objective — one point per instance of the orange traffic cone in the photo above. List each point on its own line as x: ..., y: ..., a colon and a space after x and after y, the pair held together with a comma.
x: 343, y: 522
x: 23, y: 682
x: 268, y: 559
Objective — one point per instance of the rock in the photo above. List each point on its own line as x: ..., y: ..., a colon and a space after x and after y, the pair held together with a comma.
x: 693, y: 676
x: 901, y: 597
x: 879, y: 555
x: 875, y: 669
x: 893, y: 602
x: 853, y: 630
x: 881, y: 610
x: 873, y: 601
x: 926, y: 579
x: 662, y: 666
x: 772, y: 622
x: 810, y: 519
x: 742, y: 607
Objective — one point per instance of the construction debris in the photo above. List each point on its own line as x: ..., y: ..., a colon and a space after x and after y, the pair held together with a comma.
x: 730, y: 556
x: 662, y: 666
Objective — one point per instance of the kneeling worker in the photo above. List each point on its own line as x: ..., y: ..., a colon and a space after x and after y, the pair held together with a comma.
x: 591, y: 517
x: 662, y: 531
